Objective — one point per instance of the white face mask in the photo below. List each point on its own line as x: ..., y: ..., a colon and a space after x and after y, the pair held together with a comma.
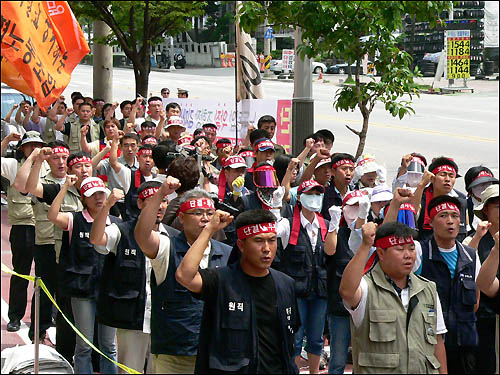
x: 414, y: 178
x: 350, y: 213
x: 312, y: 202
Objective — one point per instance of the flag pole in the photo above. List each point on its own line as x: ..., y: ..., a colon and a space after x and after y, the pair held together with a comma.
x: 236, y: 70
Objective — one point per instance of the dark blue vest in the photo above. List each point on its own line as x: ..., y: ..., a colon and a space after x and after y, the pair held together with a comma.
x: 175, y: 314
x: 426, y: 234
x: 131, y: 209
x: 331, y: 198
x: 308, y: 269
x: 228, y: 339
x: 457, y: 295
x: 80, y: 265
x: 487, y: 305
x: 336, y: 265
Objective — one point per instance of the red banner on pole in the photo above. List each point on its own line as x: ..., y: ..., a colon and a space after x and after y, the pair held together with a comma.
x: 42, y: 43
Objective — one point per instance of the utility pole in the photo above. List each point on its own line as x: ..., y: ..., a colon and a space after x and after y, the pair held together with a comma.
x: 172, y: 58
x: 267, y: 51
x: 103, y: 65
x: 302, y: 102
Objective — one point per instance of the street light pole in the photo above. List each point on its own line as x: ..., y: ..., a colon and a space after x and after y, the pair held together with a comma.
x: 302, y: 102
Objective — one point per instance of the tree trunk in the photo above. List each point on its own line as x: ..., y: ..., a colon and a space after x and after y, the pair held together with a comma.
x: 141, y: 73
x: 362, y: 135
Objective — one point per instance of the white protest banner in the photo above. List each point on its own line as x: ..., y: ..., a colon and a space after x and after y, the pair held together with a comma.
x: 196, y: 112
x: 288, y: 59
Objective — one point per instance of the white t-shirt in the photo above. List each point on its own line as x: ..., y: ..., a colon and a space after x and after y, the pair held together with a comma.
x: 160, y: 263
x: 10, y: 169
x: 114, y: 237
x: 124, y: 177
x: 358, y: 314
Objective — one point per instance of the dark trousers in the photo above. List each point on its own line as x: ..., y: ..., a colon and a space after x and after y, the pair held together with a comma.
x: 486, y: 359
x: 462, y: 361
x: 45, y: 266
x: 65, y: 336
x: 22, y: 242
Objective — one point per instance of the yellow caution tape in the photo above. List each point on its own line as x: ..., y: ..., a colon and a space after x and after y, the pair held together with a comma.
x: 44, y: 288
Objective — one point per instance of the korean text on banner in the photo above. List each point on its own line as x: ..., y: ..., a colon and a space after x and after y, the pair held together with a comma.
x: 457, y: 47
x: 42, y: 43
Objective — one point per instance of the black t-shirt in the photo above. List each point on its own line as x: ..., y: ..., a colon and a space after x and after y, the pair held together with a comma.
x: 268, y: 325
x: 50, y: 192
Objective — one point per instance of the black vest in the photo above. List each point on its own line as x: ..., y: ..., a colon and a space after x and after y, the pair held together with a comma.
x: 175, y: 314
x: 426, y: 234
x: 228, y: 339
x: 331, y: 198
x: 306, y: 267
x: 488, y: 307
x: 80, y: 264
x: 131, y: 209
x: 457, y: 295
x: 123, y: 283
x: 335, y: 266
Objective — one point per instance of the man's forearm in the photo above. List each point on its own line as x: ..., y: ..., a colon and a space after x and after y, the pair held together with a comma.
x: 354, y: 272
x: 440, y: 354
x: 33, y: 179
x: 22, y: 176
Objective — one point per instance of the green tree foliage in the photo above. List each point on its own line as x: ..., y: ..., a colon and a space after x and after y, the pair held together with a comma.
x: 353, y: 29
x: 137, y: 25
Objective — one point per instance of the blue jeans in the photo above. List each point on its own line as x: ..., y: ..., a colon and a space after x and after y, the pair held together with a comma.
x: 340, y: 337
x: 312, y: 312
x: 84, y: 314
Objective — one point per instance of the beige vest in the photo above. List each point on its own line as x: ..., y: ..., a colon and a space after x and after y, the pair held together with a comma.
x: 49, y: 133
x: 73, y: 140
x: 71, y: 203
x: 20, y: 211
x: 44, y: 229
x: 382, y: 343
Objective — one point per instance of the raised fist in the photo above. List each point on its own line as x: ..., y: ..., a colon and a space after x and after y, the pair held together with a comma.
x: 369, y: 229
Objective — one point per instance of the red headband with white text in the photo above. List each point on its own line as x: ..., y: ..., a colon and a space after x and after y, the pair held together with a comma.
x: 255, y: 229
x: 81, y: 159
x: 197, y: 203
x: 392, y: 240
x: 446, y: 206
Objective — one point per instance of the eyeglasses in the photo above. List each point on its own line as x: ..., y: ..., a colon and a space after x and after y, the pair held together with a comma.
x: 166, y: 92
x: 209, y: 214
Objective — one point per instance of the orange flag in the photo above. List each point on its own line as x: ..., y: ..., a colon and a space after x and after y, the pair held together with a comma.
x: 42, y: 43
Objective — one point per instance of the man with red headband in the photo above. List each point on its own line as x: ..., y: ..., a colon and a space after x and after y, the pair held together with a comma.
x: 125, y: 298
x: 176, y: 315
x: 454, y: 268
x: 250, y: 314
x: 445, y: 172
x: 397, y: 323
x: 132, y: 180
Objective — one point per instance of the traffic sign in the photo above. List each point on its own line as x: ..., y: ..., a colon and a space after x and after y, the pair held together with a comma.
x: 287, y: 59
x: 269, y: 33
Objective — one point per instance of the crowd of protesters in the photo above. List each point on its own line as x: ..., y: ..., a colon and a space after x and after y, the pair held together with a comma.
x: 181, y: 253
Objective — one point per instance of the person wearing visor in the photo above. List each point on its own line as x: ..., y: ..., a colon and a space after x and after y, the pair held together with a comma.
x: 268, y: 193
x: 444, y: 174
x: 410, y: 172
x: 303, y: 258
x: 484, y: 241
x: 22, y: 220
x: 477, y: 179
x: 81, y: 269
x: 250, y: 313
x: 264, y: 153
x: 368, y: 173
x: 381, y: 302
x: 380, y: 198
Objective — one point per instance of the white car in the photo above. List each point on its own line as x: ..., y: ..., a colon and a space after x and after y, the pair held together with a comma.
x: 276, y: 67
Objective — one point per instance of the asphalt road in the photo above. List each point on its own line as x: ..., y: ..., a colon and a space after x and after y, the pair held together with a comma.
x: 462, y: 126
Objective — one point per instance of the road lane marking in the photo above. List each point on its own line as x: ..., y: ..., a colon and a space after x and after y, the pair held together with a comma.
x: 409, y: 129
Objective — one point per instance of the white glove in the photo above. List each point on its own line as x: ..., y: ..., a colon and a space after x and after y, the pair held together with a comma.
x: 364, y: 207
x: 276, y: 212
x: 335, y: 214
x: 278, y: 195
x: 382, y: 174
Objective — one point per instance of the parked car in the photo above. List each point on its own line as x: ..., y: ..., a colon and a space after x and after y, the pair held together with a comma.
x: 277, y: 67
x: 342, y: 68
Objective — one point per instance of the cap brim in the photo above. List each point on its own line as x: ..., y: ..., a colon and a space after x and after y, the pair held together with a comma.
x: 309, y: 188
x: 93, y: 190
x: 381, y: 197
x: 33, y: 140
x: 482, y: 180
x: 237, y: 165
x: 169, y: 126
x: 265, y: 149
x: 321, y: 163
